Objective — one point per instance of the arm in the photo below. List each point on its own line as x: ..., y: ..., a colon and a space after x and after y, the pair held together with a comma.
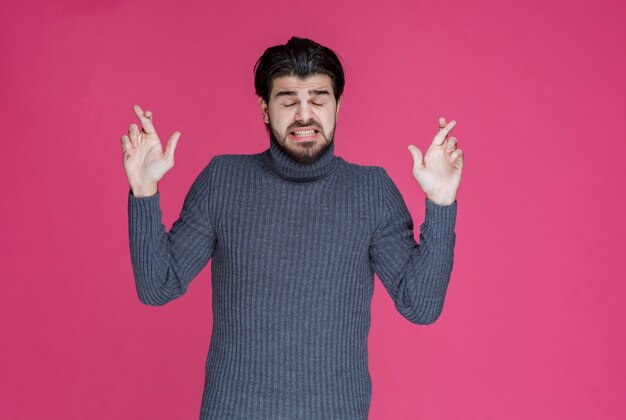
x: 164, y: 263
x: 415, y: 276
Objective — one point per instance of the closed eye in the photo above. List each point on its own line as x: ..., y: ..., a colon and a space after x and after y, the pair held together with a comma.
x: 313, y: 103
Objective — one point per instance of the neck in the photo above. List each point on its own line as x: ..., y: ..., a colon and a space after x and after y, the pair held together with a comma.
x: 287, y: 167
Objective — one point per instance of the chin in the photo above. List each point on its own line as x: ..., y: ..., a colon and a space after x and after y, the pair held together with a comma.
x: 308, y: 152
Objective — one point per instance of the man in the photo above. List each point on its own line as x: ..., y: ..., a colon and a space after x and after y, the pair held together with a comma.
x: 296, y: 235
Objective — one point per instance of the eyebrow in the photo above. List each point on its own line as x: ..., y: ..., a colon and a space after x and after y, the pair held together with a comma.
x: 311, y: 92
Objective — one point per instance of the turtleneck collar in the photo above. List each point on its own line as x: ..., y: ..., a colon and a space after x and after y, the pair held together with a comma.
x: 287, y: 167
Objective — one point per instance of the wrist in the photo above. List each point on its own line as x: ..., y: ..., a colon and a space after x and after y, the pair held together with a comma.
x: 442, y: 200
x: 144, y: 190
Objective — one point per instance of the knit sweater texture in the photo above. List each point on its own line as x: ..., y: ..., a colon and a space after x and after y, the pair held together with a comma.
x: 294, y: 251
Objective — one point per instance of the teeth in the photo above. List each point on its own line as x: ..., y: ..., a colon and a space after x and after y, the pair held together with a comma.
x: 304, y: 133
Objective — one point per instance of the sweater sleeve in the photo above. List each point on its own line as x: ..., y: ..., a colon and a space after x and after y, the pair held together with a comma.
x: 415, y: 276
x: 164, y: 263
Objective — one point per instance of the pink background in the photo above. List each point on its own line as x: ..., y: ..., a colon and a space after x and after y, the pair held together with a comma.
x: 533, y: 325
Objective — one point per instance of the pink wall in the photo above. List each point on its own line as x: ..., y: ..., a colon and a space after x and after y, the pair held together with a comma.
x: 533, y: 326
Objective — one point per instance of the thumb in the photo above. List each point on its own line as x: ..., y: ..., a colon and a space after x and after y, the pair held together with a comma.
x: 170, y: 148
x: 417, y: 158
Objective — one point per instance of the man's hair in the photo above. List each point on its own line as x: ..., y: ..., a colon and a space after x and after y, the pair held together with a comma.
x: 300, y: 57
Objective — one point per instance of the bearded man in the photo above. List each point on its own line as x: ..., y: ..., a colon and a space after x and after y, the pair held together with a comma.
x: 296, y: 234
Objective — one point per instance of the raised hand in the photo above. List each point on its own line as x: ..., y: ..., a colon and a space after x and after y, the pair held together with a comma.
x: 439, y: 172
x: 145, y: 162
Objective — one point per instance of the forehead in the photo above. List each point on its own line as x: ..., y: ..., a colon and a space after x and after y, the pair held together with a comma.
x: 295, y: 83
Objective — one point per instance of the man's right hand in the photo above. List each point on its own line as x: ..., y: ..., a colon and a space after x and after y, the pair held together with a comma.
x: 144, y: 160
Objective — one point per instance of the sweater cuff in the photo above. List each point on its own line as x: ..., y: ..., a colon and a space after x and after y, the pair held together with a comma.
x: 144, y: 213
x: 440, y: 220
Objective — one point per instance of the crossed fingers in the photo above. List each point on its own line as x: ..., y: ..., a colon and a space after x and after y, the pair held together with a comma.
x: 145, y: 118
x: 130, y: 142
x: 450, y: 142
x: 444, y: 129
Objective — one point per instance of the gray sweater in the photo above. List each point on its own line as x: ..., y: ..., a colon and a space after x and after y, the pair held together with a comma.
x: 295, y: 248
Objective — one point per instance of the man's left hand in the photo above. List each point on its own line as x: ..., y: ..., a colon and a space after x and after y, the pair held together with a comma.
x: 439, y: 173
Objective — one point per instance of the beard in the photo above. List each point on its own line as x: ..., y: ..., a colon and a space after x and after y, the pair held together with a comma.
x: 303, y: 152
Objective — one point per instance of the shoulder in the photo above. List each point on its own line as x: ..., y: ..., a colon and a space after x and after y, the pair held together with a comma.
x: 369, y: 173
x: 374, y: 177
x: 232, y: 159
x: 229, y: 163
x: 375, y: 186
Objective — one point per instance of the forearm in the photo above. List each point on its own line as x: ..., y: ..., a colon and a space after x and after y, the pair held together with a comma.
x: 150, y: 250
x: 422, y: 291
x: 164, y: 263
x: 415, y: 275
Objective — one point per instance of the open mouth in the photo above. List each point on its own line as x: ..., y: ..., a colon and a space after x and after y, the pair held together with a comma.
x: 304, y: 133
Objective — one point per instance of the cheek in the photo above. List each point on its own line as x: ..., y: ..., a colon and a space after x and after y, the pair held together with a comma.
x: 280, y: 119
x: 328, y: 122
x: 279, y: 124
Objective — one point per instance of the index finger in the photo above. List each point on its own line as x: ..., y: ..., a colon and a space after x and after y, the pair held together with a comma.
x: 440, y: 137
x: 146, y: 123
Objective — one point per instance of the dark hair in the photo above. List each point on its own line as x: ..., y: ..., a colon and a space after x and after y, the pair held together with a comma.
x: 300, y: 57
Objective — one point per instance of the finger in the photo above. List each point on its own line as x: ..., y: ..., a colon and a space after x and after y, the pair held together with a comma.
x: 451, y: 144
x: 127, y: 147
x: 417, y: 157
x: 146, y: 122
x: 170, y: 148
x: 441, y: 135
x: 133, y: 132
x: 456, y: 157
x: 442, y: 122
x: 126, y: 142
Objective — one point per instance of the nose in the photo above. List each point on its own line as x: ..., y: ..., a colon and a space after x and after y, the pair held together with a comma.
x: 304, y: 112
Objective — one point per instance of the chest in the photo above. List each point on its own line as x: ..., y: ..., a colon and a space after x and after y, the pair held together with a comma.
x: 297, y: 224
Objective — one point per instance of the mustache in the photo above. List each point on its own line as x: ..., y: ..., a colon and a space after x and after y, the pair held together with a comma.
x: 307, y: 124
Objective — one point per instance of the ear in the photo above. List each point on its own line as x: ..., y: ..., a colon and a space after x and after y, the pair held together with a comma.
x: 264, y: 110
x: 338, y: 104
